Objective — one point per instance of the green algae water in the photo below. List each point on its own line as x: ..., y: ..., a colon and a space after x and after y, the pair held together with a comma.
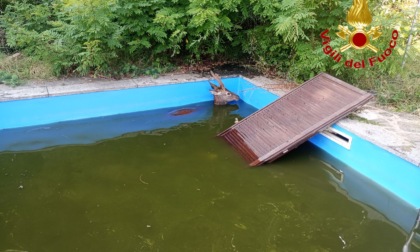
x: 178, y: 189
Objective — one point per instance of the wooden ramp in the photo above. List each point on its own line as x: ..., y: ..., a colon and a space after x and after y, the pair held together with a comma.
x: 289, y: 121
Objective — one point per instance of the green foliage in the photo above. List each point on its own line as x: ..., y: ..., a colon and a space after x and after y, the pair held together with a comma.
x: 308, y: 61
x: 87, y: 30
x: 95, y: 35
x: 24, y: 24
x: 294, y: 18
x: 9, y: 79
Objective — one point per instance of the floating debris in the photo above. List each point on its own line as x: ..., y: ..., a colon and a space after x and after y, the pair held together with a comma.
x: 179, y: 112
x: 241, y: 226
x: 142, y: 181
x: 343, y: 241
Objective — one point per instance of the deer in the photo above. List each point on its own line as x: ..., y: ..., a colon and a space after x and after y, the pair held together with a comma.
x: 220, y: 93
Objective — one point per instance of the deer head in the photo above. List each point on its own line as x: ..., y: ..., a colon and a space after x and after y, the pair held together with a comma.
x: 221, y: 94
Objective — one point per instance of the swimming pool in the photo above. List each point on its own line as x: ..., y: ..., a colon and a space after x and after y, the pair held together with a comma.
x: 369, y: 174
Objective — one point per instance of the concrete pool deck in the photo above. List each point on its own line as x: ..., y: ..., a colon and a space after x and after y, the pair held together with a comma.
x: 398, y: 133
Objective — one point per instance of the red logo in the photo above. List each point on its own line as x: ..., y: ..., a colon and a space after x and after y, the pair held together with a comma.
x: 359, y: 38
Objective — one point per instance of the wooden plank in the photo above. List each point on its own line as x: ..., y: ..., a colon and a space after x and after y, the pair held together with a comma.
x: 289, y: 121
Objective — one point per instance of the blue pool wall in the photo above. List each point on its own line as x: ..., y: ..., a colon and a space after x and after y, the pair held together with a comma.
x: 39, y: 111
x: 381, y: 171
x: 92, y: 130
x: 390, y: 184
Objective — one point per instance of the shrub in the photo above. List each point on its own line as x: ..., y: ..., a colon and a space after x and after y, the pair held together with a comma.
x: 9, y: 79
x: 126, y: 36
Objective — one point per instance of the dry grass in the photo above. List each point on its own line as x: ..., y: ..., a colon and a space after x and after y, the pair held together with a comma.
x: 403, y: 92
x: 26, y: 68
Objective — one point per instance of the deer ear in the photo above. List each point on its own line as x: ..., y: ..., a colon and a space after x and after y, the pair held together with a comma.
x: 213, y: 86
x: 215, y: 92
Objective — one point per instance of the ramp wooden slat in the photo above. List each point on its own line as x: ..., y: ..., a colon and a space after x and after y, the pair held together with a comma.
x: 289, y: 121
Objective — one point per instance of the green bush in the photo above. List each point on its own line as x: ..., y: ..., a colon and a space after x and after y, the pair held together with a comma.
x: 125, y: 36
x: 9, y: 79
